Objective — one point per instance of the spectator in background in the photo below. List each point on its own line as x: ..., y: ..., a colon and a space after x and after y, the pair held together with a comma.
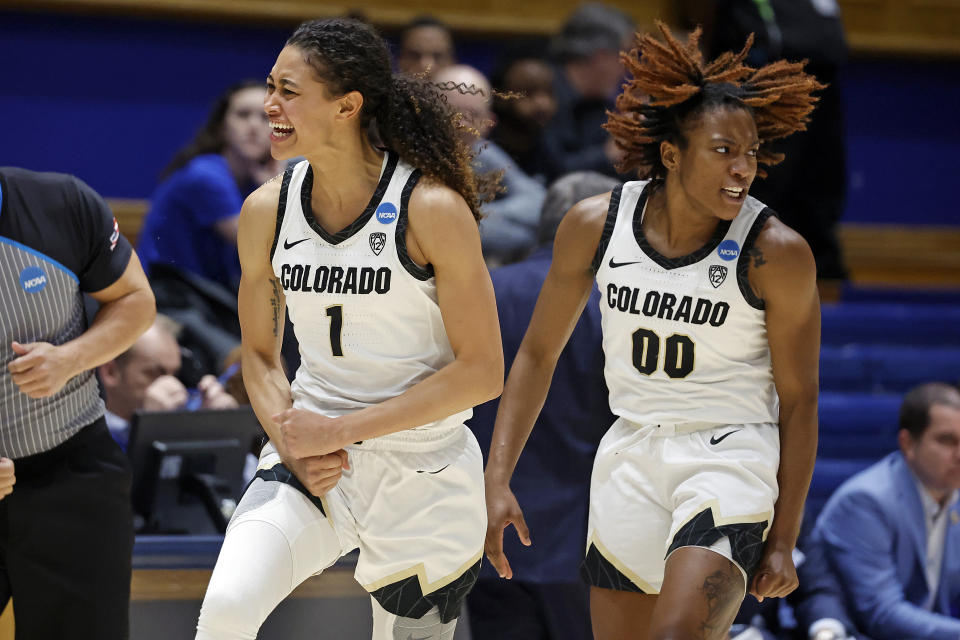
x: 892, y: 532
x: 808, y: 190
x: 587, y: 81
x: 522, y: 117
x: 426, y: 46
x: 188, y: 240
x: 193, y: 217
x: 509, y: 226
x: 546, y: 599
x: 144, y: 378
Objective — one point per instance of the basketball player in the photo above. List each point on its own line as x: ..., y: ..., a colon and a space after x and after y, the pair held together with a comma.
x: 711, y: 335
x: 373, y: 247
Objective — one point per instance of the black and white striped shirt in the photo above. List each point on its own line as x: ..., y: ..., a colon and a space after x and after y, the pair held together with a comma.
x: 58, y: 239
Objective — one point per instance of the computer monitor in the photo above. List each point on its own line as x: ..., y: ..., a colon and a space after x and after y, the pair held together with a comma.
x: 188, y: 467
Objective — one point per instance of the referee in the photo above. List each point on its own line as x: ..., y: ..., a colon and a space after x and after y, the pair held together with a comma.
x: 66, y: 531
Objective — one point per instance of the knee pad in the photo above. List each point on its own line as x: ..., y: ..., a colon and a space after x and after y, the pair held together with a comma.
x: 387, y: 626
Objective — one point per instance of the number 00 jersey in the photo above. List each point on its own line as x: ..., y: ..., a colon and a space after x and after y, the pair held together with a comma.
x: 365, y: 314
x: 685, y: 338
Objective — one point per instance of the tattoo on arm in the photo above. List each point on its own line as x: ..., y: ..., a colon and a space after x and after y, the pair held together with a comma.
x: 275, y: 305
x: 721, y: 590
x: 757, y: 255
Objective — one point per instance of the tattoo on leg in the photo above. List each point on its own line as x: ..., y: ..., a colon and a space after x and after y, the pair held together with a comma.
x: 757, y: 256
x: 275, y: 305
x: 722, y: 591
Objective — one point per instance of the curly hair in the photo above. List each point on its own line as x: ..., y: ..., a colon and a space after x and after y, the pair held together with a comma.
x: 672, y: 86
x: 407, y: 115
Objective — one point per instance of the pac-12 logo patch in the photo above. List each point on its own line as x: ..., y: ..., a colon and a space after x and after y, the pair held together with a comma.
x: 378, y: 240
x: 386, y: 212
x: 718, y: 273
x: 33, y: 279
x: 728, y: 250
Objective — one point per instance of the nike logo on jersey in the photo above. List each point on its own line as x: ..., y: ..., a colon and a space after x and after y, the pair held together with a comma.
x: 433, y: 472
x: 667, y: 306
x: 290, y: 245
x: 614, y: 265
x: 716, y: 440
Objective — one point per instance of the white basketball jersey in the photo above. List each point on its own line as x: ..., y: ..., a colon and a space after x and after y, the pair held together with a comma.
x: 685, y: 338
x: 365, y: 314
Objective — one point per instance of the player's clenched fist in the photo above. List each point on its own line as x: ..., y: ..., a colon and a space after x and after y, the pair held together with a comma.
x: 7, y: 479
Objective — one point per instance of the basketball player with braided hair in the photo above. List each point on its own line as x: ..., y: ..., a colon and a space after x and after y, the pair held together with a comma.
x: 710, y: 321
x: 371, y: 244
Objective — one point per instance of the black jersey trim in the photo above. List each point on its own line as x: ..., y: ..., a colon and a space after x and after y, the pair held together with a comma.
x: 415, y: 270
x: 281, y: 209
x: 347, y: 232
x: 680, y: 261
x: 743, y: 262
x: 746, y: 539
x: 407, y: 600
x: 597, y: 571
x: 279, y: 473
x: 608, y: 226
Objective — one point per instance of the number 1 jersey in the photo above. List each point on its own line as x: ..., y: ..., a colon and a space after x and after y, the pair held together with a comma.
x: 365, y: 315
x: 685, y: 338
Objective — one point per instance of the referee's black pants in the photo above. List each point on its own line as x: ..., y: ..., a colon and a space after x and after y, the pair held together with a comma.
x: 66, y: 540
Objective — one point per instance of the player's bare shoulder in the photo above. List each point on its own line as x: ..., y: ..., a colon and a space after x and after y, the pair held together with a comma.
x: 259, y: 209
x: 779, y: 256
x: 258, y: 220
x: 431, y: 199
x: 588, y: 216
x: 578, y: 235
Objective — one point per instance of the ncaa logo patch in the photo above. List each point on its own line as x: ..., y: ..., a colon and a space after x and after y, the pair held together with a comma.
x: 728, y: 250
x: 386, y: 212
x: 378, y: 240
x: 718, y: 273
x: 33, y: 279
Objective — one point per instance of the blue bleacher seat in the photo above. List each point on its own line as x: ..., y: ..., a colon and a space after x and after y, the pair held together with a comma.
x: 886, y: 368
x: 858, y: 425
x: 892, y: 324
x: 859, y: 293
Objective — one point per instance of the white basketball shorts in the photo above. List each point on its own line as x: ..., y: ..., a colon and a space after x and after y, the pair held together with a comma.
x: 656, y: 488
x: 411, y: 502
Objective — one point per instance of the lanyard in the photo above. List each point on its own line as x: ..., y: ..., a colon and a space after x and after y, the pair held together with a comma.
x: 774, y: 36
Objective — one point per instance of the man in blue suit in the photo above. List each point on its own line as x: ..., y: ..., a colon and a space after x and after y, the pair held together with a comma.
x: 546, y: 599
x: 892, y: 532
